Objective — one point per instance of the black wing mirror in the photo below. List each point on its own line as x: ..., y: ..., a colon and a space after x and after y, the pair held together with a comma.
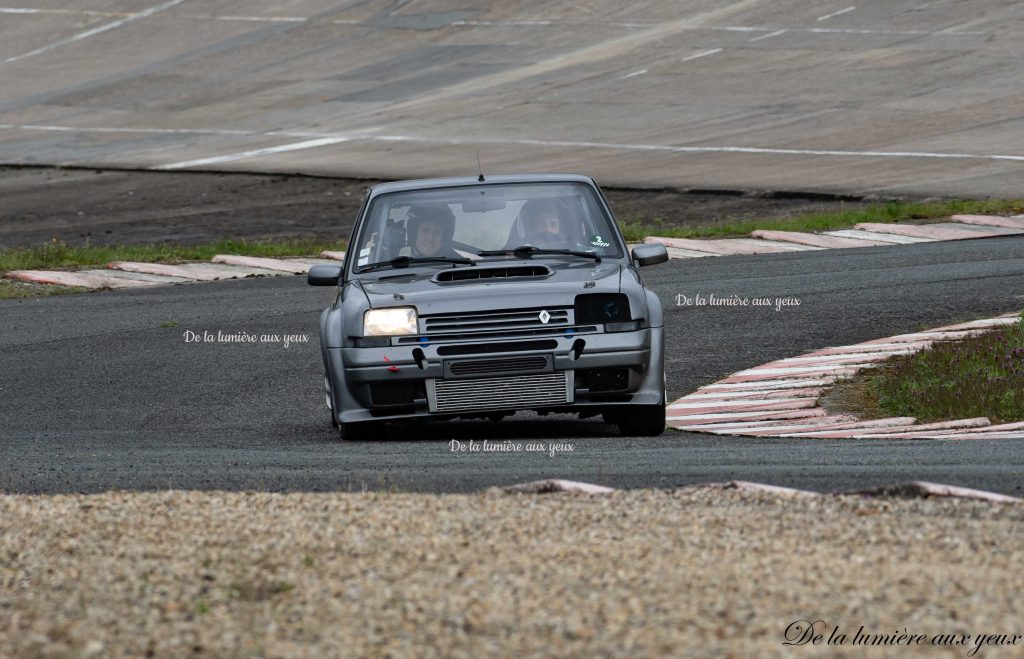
x: 324, y: 275
x: 650, y: 254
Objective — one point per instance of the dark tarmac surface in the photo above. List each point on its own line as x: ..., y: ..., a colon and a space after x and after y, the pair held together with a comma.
x: 96, y: 395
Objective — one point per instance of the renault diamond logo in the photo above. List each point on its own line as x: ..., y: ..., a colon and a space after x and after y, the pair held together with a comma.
x: 544, y: 316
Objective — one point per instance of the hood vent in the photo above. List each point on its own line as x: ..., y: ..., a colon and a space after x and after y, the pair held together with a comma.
x: 477, y: 273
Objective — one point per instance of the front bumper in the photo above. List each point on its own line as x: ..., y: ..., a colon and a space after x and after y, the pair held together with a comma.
x: 598, y: 370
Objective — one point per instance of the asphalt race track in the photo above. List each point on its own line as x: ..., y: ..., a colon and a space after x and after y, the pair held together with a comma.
x: 95, y: 394
x: 904, y: 97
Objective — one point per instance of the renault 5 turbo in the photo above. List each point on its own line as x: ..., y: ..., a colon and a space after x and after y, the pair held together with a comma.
x: 474, y: 297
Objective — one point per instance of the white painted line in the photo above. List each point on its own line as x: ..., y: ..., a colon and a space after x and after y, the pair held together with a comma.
x: 756, y: 394
x: 779, y: 245
x: 296, y: 146
x: 798, y: 369
x: 767, y: 384
x: 700, y: 149
x: 868, y: 425
x: 778, y: 414
x: 767, y: 36
x: 61, y: 278
x: 156, y: 269
x: 575, y: 144
x: 745, y: 427
x: 704, y: 54
x: 158, y: 131
x: 680, y: 253
x: 837, y: 13
x: 878, y: 237
x: 715, y: 28
x: 907, y: 33
x: 811, y: 422
x: 283, y: 265
x: 497, y: 23
x: 976, y: 424
x: 845, y: 357
x: 77, y: 12
x: 869, y: 348
x: 136, y: 277
x: 741, y: 402
x: 634, y: 74
x: 261, y: 19
x: 753, y: 431
x: 96, y: 30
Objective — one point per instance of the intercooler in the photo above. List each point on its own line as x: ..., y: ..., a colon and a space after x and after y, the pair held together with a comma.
x: 507, y: 393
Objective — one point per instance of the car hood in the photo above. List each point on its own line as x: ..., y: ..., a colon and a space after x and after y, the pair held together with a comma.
x: 393, y: 288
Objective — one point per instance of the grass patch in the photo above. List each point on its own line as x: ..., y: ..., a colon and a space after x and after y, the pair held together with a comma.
x: 256, y: 591
x: 56, y: 254
x: 979, y: 376
x: 896, y: 211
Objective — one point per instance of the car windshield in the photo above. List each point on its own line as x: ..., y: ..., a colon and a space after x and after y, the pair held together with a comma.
x: 447, y: 225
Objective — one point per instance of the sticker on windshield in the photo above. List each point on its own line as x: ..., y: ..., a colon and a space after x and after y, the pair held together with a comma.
x: 597, y: 241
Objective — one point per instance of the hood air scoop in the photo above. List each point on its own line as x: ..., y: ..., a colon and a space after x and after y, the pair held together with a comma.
x: 478, y: 273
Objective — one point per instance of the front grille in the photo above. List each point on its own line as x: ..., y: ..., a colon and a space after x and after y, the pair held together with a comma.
x: 496, y: 321
x: 484, y: 348
x: 499, y: 366
x: 560, y: 330
x: 509, y: 393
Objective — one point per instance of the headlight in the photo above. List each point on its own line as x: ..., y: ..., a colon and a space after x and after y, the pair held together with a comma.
x: 389, y: 322
x: 602, y: 308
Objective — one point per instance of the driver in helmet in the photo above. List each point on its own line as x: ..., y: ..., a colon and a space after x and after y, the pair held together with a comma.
x: 430, y: 229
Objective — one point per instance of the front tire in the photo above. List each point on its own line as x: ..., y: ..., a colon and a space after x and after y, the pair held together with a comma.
x: 642, y: 421
x: 327, y: 395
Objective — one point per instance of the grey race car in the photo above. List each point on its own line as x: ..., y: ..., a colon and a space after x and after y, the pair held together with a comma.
x: 465, y: 297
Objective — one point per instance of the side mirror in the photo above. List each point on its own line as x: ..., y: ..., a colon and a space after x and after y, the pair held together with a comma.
x: 650, y: 254
x: 324, y: 275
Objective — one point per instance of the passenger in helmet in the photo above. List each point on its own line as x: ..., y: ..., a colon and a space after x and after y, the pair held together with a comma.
x: 545, y: 224
x: 429, y: 230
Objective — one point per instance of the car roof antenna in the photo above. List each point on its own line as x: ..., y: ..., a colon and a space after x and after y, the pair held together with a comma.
x: 479, y: 167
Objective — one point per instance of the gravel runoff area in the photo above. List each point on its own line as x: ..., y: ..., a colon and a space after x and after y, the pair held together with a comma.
x: 109, y: 207
x: 642, y: 573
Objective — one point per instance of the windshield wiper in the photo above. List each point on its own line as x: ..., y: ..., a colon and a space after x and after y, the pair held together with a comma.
x: 524, y: 251
x: 406, y: 261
